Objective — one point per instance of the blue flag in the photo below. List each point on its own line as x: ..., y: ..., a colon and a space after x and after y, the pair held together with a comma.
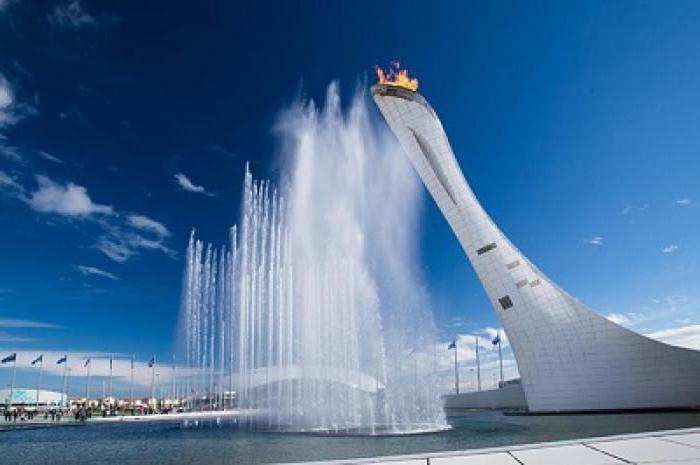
x: 453, y: 345
x: 63, y: 359
x: 496, y: 340
x: 152, y: 362
x: 87, y: 362
x: 9, y: 358
x: 40, y: 358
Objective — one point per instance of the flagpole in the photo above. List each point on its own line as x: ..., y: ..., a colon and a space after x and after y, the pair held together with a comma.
x: 87, y: 384
x: 131, y: 383
x: 111, y: 362
x: 172, y: 381
x: 153, y: 375
x: 500, y: 356
x: 478, y: 366
x: 456, y: 372
x: 38, y: 387
x: 64, y: 394
x: 12, y: 383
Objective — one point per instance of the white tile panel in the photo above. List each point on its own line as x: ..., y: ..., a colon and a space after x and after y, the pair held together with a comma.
x: 644, y: 450
x: 498, y: 458
x: 575, y: 454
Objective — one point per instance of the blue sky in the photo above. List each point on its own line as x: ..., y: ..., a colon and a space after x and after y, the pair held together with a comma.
x: 575, y: 123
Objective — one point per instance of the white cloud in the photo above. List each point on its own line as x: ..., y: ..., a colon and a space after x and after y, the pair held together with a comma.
x: 117, y: 251
x: 69, y: 200
x: 120, y: 245
x: 597, y: 241
x: 7, y: 337
x: 21, y: 323
x: 683, y: 336
x: 123, y: 236
x: 7, y: 182
x: 147, y: 224
x: 683, y: 202
x: 11, y: 111
x: 188, y: 185
x: 670, y: 248
x: 7, y: 102
x: 90, y: 270
x: 626, y: 210
x: 49, y: 157
x: 12, y: 153
x: 6, y: 3
x: 71, y: 15
x: 619, y: 318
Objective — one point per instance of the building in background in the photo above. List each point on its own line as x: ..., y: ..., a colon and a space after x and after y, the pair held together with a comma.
x: 569, y: 357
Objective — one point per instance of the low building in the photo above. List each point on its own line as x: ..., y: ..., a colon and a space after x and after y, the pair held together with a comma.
x: 25, y: 397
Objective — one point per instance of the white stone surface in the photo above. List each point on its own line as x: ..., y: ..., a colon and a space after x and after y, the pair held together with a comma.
x: 690, y: 439
x: 500, y: 458
x: 569, y: 357
x: 575, y: 454
x: 654, y: 448
x: 645, y: 450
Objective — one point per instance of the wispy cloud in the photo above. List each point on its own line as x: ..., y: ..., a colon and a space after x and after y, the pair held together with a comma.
x: 71, y: 15
x: 5, y: 3
x: 123, y: 236
x: 120, y: 244
x: 49, y: 157
x: 685, y: 201
x: 7, y: 337
x: 8, y: 182
x: 683, y: 336
x: 619, y: 318
x: 185, y: 183
x: 21, y: 323
x: 147, y: 224
x: 92, y: 271
x: 630, y: 209
x: 596, y: 240
x: 670, y: 248
x: 7, y: 103
x: 12, y: 110
x: 68, y: 200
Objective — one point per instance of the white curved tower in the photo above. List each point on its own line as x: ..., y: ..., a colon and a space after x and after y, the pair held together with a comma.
x: 569, y: 358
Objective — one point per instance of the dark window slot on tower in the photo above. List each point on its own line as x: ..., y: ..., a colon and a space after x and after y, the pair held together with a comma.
x: 534, y: 283
x: 486, y: 248
x: 521, y: 283
x: 512, y: 265
x: 505, y: 302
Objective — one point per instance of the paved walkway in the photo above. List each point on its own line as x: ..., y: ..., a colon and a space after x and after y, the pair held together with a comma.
x: 676, y: 447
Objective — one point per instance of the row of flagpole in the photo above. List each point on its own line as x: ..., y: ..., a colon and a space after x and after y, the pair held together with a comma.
x: 496, y: 341
x: 64, y: 361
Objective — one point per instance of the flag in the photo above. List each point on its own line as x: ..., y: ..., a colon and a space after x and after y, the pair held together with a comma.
x: 87, y: 362
x: 63, y: 359
x: 132, y: 362
x: 453, y: 345
x: 9, y: 358
x: 496, y: 340
x: 152, y: 362
x: 40, y: 358
x: 110, y: 362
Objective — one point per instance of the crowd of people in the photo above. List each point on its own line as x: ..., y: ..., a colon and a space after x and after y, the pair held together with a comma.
x: 20, y: 414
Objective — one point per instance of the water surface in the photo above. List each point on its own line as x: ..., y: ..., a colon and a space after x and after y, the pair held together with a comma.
x: 172, y: 443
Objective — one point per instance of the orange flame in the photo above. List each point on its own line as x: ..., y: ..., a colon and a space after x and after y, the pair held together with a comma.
x: 396, y: 76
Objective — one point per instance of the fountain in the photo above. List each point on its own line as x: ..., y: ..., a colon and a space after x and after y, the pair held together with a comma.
x: 314, y: 314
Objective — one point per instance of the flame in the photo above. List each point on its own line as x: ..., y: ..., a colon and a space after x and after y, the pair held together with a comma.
x: 396, y: 76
